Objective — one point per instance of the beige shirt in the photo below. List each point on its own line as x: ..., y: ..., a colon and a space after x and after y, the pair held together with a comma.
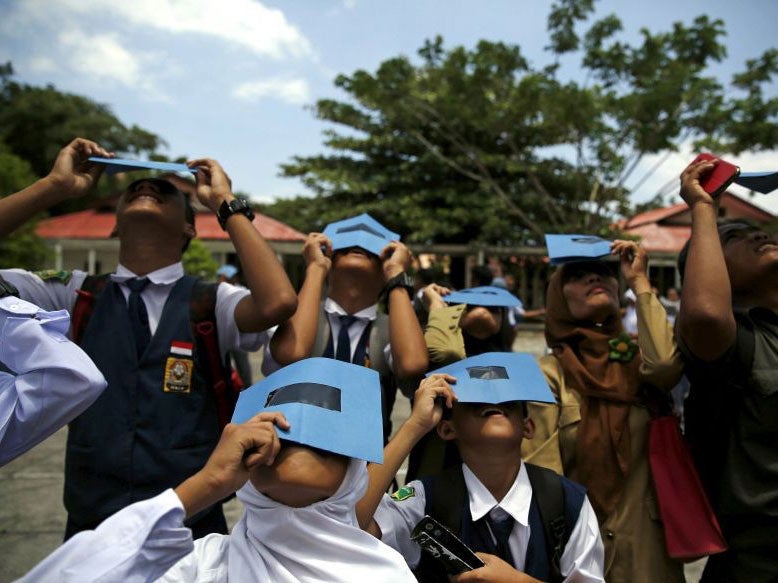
x: 632, y: 534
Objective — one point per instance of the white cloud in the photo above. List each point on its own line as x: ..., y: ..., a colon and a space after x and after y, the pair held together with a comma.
x: 349, y: 4
x: 247, y: 23
x: 294, y: 91
x: 41, y: 64
x: 102, y: 57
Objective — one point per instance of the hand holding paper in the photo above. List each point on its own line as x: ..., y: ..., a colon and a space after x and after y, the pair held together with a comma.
x: 317, y: 251
x: 634, y: 265
x: 434, y: 393
x: 73, y: 173
x: 213, y: 184
x: 396, y: 259
x: 240, y: 448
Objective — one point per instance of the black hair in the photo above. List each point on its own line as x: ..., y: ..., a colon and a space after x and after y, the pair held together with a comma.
x: 481, y: 275
x: 499, y: 342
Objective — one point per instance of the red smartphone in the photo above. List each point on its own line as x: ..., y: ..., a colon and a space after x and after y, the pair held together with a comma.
x: 717, y: 180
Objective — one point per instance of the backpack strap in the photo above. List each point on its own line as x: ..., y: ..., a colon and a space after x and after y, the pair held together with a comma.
x: 86, y: 298
x: 202, y: 314
x: 379, y: 338
x: 445, y: 494
x: 549, y: 494
x: 445, y: 497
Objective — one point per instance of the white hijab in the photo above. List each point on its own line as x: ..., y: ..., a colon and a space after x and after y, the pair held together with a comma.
x: 320, y: 542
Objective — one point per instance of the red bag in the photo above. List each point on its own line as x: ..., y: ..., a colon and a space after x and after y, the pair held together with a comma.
x: 691, y: 528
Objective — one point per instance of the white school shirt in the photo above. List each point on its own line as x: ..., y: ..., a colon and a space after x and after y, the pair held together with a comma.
x: 334, y: 311
x: 583, y: 557
x: 137, y: 544
x: 51, y: 382
x: 56, y: 295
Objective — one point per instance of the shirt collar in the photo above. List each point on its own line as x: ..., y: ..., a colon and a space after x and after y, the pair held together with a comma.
x: 166, y: 276
x: 516, y: 501
x: 368, y: 313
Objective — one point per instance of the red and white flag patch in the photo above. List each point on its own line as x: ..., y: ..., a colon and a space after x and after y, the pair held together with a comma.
x: 182, y: 348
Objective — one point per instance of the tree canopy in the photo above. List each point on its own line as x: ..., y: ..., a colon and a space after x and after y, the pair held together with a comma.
x: 35, y: 123
x: 479, y: 144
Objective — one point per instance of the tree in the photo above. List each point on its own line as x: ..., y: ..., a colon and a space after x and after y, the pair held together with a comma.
x: 198, y: 261
x: 480, y: 145
x: 36, y: 122
x: 23, y: 248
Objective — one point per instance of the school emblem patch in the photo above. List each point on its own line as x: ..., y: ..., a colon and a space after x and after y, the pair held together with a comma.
x: 178, y: 375
x: 404, y: 493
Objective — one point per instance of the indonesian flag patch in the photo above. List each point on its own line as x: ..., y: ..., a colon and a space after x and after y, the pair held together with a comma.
x: 181, y: 348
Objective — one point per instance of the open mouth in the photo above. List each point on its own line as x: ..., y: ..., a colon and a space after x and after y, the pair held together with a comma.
x: 491, y: 410
x: 356, y: 251
x: 149, y: 195
x: 766, y: 246
x: 597, y: 290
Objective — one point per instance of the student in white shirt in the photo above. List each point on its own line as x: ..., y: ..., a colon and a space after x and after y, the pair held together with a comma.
x: 299, y: 522
x: 488, y: 437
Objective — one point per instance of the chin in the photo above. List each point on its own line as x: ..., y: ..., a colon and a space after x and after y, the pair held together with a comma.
x: 300, y: 475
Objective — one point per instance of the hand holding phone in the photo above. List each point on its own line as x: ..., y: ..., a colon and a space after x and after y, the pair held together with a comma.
x: 442, y: 544
x: 717, y: 180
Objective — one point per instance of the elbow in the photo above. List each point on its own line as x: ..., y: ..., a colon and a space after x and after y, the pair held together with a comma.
x: 280, y: 309
x: 411, y: 366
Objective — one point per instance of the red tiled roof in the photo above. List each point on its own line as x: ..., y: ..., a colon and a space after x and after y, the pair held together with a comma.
x: 655, y: 215
x: 660, y: 235
x: 97, y: 224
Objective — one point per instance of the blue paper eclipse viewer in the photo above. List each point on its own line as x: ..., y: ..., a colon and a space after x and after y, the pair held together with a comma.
x: 330, y: 405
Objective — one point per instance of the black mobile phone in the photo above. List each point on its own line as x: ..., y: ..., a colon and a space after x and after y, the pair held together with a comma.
x: 442, y: 544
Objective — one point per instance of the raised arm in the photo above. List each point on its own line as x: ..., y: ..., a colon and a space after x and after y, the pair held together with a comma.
x: 409, y: 353
x: 142, y: 541
x: 272, y: 299
x: 295, y: 338
x: 443, y: 335
x: 706, y: 322
x: 433, y: 394
x: 240, y: 448
x: 661, y: 363
x: 71, y: 176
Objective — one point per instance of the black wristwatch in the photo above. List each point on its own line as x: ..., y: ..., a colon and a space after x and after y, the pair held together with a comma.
x: 227, y: 209
x: 400, y: 280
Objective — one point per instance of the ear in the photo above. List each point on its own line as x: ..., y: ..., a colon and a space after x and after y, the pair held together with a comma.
x: 529, y: 428
x: 190, y: 231
x: 446, y: 430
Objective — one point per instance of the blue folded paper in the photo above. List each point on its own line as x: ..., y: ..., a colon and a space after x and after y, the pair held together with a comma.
x: 569, y: 248
x: 486, y: 295
x: 764, y: 182
x: 498, y: 377
x: 115, y: 165
x: 330, y: 405
x: 362, y: 231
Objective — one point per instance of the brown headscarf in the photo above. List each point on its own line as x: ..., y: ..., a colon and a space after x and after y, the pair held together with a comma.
x: 608, y: 388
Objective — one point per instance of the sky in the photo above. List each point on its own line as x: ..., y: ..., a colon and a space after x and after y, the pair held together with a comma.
x: 234, y: 79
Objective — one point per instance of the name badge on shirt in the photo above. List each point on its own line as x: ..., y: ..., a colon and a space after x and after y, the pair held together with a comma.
x: 179, y: 367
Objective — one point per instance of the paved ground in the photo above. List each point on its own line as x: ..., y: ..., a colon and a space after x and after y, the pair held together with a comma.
x: 32, y: 518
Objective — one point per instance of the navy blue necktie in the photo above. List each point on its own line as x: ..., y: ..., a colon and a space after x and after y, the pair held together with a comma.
x: 501, y: 529
x: 344, y: 342
x: 139, y: 317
